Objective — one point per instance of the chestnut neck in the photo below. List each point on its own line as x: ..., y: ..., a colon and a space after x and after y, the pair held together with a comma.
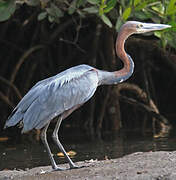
x: 123, y: 74
x: 120, y: 50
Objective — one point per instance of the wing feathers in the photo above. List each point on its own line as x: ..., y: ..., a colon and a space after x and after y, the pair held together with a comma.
x: 51, y: 97
x: 12, y: 121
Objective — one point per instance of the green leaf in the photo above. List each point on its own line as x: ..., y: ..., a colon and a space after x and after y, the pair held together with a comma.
x: 110, y: 5
x: 51, y: 19
x: 136, y: 2
x: 122, y: 4
x: 81, y: 13
x: 94, y: 2
x: 148, y: 14
x: 159, y: 8
x: 158, y: 34
x: 140, y: 15
x: 119, y: 23
x: 54, y: 11
x: 171, y: 9
x: 141, y: 6
x: 91, y: 10
x: 106, y: 20
x: 170, y: 37
x: 57, y: 12
x: 72, y: 7
x: 173, y: 26
x: 7, y: 8
x: 32, y: 2
x: 126, y: 13
x: 50, y: 11
x: 102, y: 7
x: 42, y: 16
x: 80, y: 3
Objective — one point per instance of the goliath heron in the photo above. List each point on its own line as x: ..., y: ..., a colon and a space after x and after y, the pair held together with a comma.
x: 65, y: 92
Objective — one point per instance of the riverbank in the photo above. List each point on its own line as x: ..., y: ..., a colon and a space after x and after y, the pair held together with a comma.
x: 137, y: 166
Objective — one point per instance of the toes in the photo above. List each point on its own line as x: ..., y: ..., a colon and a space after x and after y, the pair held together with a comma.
x: 76, y: 167
x: 58, y: 169
x: 71, y: 167
x: 52, y: 170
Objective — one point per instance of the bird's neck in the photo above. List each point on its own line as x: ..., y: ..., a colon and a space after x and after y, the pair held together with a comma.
x: 128, y: 65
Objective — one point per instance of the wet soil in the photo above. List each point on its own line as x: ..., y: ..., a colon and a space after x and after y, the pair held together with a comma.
x: 137, y: 166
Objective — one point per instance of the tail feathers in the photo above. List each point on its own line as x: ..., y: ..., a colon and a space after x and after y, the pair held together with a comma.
x: 14, y: 119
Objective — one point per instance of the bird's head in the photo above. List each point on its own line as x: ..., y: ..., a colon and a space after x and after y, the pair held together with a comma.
x: 135, y: 27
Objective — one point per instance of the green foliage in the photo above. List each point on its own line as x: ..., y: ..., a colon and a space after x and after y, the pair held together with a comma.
x: 42, y: 16
x: 126, y: 13
x: 30, y: 2
x: 111, y: 12
x: 7, y: 8
x: 157, y: 12
x: 91, y: 10
x: 106, y: 20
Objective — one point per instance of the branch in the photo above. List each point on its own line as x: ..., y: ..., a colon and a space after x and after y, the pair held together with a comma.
x: 12, y: 86
x: 145, y: 107
x: 140, y: 93
x: 22, y: 59
x: 60, y: 29
x: 150, y: 108
x: 6, y: 100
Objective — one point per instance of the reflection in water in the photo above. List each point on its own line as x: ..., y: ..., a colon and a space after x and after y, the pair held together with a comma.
x: 28, y: 155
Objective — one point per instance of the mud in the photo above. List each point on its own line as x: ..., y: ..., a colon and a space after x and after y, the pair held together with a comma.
x: 137, y: 166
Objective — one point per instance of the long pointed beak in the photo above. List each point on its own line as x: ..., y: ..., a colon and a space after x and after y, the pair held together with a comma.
x: 147, y: 27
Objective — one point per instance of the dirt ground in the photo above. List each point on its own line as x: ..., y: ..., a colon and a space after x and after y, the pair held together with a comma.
x: 137, y: 166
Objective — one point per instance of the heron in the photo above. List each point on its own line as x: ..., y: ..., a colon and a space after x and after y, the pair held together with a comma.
x: 60, y: 95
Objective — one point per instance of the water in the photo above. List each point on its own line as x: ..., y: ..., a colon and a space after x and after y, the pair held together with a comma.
x: 26, y: 154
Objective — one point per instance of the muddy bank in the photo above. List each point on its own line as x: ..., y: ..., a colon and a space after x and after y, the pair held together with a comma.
x: 137, y: 166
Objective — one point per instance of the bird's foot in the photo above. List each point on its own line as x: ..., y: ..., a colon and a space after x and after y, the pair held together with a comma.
x: 76, y: 167
x: 56, y: 168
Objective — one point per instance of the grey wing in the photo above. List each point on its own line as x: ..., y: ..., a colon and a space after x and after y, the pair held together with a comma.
x: 43, y: 90
x: 18, y: 113
x: 58, y: 97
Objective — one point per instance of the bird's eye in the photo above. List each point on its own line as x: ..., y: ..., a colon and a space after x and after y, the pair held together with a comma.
x: 139, y: 26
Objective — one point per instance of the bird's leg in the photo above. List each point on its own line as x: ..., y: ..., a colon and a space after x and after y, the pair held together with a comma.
x: 56, y: 140
x: 44, y: 140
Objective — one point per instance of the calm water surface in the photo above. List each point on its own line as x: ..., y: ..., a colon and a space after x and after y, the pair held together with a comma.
x: 27, y: 154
